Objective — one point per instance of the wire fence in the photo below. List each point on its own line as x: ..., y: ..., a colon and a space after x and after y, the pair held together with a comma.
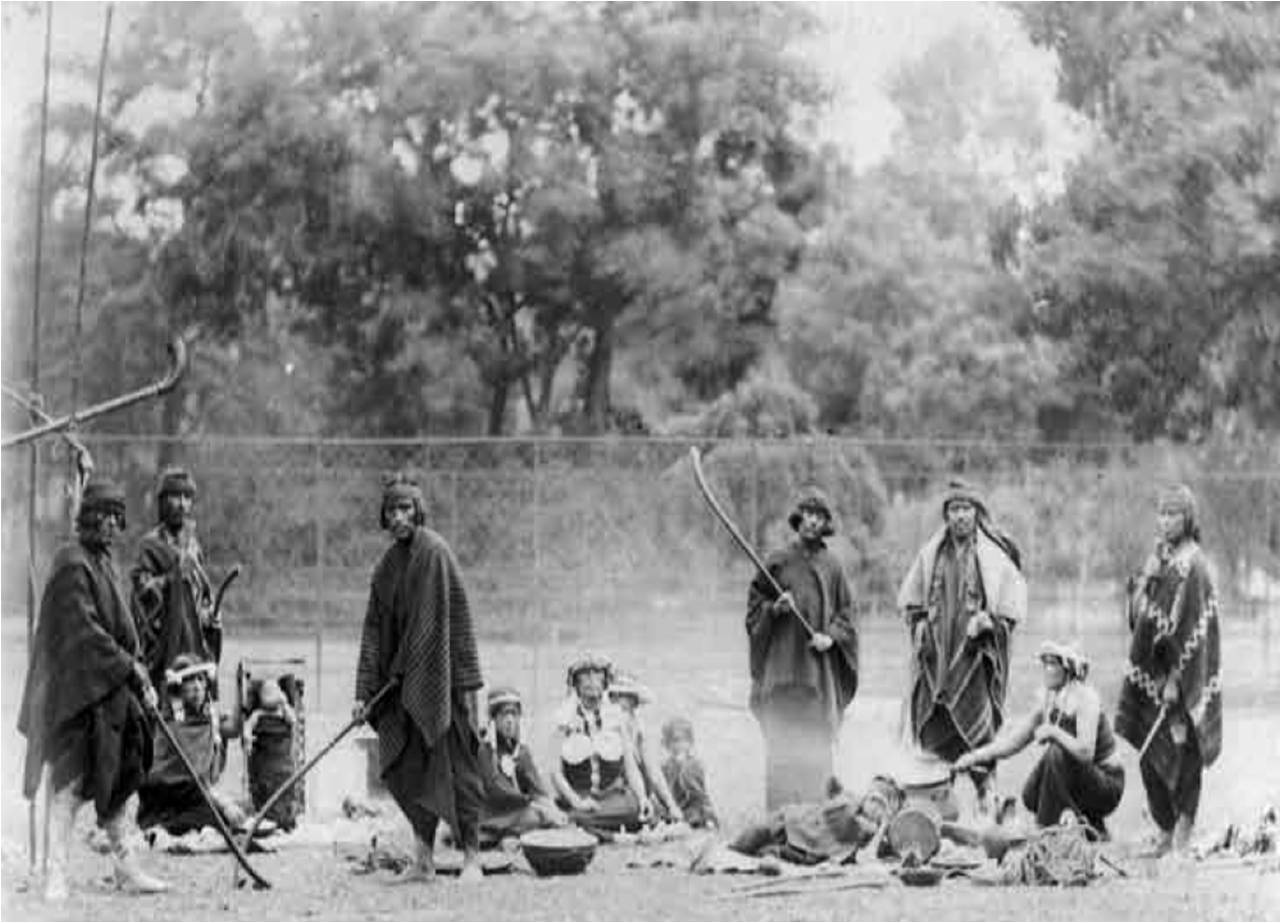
x: 607, y: 544
x: 577, y: 530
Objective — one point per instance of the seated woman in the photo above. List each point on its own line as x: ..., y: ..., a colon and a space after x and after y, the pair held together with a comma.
x: 170, y: 798
x: 629, y: 695
x: 1079, y: 770
x: 515, y: 798
x: 597, y: 779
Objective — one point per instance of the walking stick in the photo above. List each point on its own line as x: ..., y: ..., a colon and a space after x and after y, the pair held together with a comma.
x: 293, y: 780
x: 1156, y: 726
x: 220, y: 823
x: 696, y: 460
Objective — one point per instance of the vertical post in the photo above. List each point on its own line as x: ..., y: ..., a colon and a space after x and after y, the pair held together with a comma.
x: 313, y: 797
x: 33, y: 466
x: 318, y: 616
x: 540, y: 607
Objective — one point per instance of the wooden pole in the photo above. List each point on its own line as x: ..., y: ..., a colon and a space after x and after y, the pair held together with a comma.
x: 33, y: 467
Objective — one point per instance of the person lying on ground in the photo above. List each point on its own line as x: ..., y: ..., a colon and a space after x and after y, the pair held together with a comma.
x: 1079, y: 769
x: 684, y: 774
x: 596, y: 777
x: 629, y: 695
x: 834, y: 829
x: 516, y: 799
x: 170, y: 798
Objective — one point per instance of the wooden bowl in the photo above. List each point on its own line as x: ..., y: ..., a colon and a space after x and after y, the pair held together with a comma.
x: 558, y: 852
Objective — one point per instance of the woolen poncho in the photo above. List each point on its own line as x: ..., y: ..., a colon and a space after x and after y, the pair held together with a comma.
x: 418, y: 629
x: 779, y: 650
x: 78, y: 712
x: 1174, y: 617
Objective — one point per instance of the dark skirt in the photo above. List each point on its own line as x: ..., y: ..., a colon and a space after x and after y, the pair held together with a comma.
x: 442, y: 782
x: 618, y: 808
x: 1061, y: 782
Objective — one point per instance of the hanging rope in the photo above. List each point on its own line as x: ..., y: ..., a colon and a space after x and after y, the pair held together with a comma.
x: 89, y: 187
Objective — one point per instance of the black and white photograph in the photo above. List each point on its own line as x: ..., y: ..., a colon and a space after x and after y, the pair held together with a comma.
x: 625, y: 460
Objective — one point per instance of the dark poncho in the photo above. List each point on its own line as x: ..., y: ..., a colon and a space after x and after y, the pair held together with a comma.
x: 171, y: 623
x: 780, y: 655
x: 78, y: 711
x: 418, y: 629
x: 1174, y: 616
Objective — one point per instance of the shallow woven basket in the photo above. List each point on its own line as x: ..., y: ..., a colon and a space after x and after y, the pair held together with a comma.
x: 558, y: 852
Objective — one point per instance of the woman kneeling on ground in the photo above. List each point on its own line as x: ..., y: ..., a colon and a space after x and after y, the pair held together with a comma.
x: 1079, y: 770
x: 597, y: 779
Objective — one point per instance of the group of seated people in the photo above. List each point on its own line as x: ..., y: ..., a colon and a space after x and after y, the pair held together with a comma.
x: 606, y: 777
x: 169, y: 798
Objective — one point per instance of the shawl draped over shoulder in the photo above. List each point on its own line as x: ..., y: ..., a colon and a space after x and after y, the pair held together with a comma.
x: 418, y: 630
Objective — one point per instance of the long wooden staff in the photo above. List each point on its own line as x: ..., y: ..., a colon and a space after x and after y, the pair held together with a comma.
x: 221, y: 824
x: 696, y: 460
x: 252, y: 827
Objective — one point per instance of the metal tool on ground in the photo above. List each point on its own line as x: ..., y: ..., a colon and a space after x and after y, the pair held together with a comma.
x: 696, y: 460
x: 252, y: 826
x: 219, y: 822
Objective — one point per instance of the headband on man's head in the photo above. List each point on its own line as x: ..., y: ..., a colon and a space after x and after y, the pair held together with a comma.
x: 961, y: 490
x: 99, y: 496
x: 397, y: 487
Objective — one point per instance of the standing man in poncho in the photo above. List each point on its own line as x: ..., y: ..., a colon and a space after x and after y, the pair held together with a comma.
x: 962, y: 598
x: 82, y: 708
x: 172, y: 595
x: 418, y: 633
x: 801, y: 685
x: 1173, y: 677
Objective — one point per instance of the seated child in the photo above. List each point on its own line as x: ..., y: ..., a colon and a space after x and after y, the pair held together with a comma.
x: 684, y: 773
x: 629, y: 695
x: 515, y: 798
x: 273, y: 757
x: 170, y: 798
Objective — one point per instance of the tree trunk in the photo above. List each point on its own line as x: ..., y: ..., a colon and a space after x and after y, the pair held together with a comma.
x: 596, y: 384
x: 498, y: 406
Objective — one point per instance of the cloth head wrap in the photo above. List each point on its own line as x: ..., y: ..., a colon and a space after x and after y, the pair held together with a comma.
x: 1180, y: 497
x: 1076, y: 664
x: 502, y: 697
x: 959, y: 489
x: 402, y: 487
x: 590, y: 662
x: 102, y: 496
x: 625, y: 684
x: 813, y: 499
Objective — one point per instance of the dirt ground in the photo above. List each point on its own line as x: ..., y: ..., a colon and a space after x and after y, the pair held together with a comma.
x: 698, y: 670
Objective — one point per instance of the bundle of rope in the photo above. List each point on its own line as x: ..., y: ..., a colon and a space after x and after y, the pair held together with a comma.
x: 1060, y: 855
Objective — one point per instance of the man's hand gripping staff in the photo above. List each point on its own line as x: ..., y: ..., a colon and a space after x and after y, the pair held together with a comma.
x: 783, y: 600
